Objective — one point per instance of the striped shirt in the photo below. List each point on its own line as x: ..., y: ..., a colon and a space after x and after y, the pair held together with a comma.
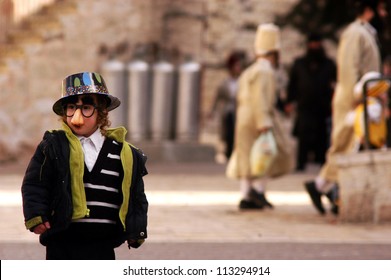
x: 103, y: 193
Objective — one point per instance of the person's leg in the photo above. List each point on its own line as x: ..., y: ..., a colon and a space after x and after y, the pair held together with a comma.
x: 331, y: 190
x: 57, y: 250
x: 245, y: 189
x: 258, y: 192
x: 229, y: 134
x: 315, y: 191
x: 321, y: 143
x: 93, y: 251
x: 302, y: 154
x: 76, y: 250
x: 319, y: 187
x: 333, y: 196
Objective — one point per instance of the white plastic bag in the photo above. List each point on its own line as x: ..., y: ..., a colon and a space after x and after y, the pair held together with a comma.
x: 263, y: 153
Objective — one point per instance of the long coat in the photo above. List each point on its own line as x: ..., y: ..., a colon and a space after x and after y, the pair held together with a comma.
x: 256, y: 110
x: 311, y: 85
x: 358, y: 53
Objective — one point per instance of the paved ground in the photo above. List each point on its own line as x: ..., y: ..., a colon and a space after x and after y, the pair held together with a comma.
x: 194, y: 215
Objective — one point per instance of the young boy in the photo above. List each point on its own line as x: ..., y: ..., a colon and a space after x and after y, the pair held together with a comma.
x: 83, y: 191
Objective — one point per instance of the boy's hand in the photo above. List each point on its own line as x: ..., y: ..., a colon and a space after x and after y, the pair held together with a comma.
x: 132, y: 243
x: 41, y: 228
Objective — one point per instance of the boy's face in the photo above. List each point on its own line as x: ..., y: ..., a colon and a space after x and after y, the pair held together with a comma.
x: 83, y: 120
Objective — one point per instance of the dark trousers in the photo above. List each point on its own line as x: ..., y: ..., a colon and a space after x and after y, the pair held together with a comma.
x: 313, y: 136
x: 229, y: 133
x: 67, y: 250
x: 305, y: 147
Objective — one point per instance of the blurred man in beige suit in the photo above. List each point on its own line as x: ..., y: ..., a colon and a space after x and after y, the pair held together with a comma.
x: 256, y: 114
x: 358, y: 53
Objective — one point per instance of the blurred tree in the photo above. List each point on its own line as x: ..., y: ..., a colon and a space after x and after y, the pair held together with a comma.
x: 327, y: 17
x: 321, y: 16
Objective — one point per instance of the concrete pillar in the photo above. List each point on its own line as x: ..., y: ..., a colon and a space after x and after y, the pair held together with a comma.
x: 139, y: 108
x: 364, y: 179
x: 187, y: 118
x: 114, y: 73
x: 163, y: 101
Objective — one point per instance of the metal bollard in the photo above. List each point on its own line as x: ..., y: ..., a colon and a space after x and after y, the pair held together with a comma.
x: 365, y: 102
x: 139, y: 100
x: 163, y: 101
x: 187, y: 119
x: 114, y: 73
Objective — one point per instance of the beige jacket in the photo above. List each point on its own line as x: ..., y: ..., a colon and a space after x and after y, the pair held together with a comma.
x: 358, y: 54
x: 256, y: 110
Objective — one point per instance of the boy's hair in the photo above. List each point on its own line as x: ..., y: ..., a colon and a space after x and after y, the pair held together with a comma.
x: 103, y: 114
x: 234, y: 57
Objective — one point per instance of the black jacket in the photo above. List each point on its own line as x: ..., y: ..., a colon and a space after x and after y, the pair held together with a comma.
x: 47, y: 195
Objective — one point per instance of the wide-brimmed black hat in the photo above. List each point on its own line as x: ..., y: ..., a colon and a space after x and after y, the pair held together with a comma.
x: 84, y: 83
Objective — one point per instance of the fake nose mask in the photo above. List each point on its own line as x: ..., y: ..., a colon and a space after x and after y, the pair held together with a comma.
x: 77, y: 118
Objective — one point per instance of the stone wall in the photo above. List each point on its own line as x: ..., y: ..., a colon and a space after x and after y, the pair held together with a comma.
x: 91, y: 31
x: 365, y: 186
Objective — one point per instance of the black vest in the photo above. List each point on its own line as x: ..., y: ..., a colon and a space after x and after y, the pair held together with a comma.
x: 103, y: 194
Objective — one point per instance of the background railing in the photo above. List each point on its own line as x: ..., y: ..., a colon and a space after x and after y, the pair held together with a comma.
x: 14, y: 11
x: 367, y: 144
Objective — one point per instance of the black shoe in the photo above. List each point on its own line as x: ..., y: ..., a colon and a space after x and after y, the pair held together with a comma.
x: 333, y: 196
x: 248, y: 205
x: 260, y: 199
x: 315, y: 196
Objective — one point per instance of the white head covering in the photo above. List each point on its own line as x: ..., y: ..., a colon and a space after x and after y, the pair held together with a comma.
x: 267, y: 38
x: 374, y: 88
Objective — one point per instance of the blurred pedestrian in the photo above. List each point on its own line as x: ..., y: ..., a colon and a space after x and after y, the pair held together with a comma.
x: 377, y: 112
x: 358, y: 53
x: 83, y: 190
x: 257, y: 114
x: 224, y: 105
x: 310, y: 90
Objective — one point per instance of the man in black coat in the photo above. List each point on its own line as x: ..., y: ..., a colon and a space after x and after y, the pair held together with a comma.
x: 311, y: 85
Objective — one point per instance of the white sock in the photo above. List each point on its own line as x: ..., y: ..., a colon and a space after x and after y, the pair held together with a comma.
x: 322, y: 185
x: 259, y: 185
x: 245, y: 187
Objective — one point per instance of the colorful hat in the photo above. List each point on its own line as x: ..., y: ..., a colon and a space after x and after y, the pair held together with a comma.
x: 267, y: 38
x: 82, y: 84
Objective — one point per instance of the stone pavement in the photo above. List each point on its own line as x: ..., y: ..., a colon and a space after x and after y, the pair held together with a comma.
x: 194, y: 215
